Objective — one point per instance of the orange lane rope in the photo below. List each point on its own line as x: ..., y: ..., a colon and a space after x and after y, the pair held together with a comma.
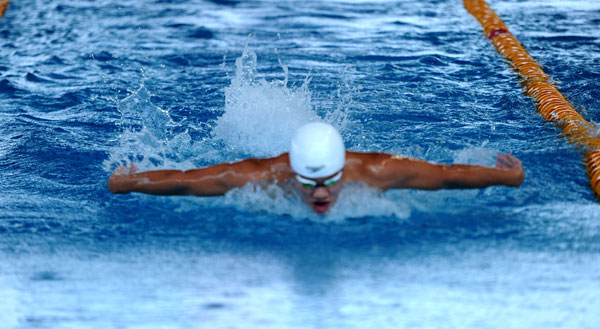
x: 3, y: 5
x: 551, y: 104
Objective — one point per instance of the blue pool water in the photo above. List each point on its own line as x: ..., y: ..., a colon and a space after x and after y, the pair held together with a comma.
x: 88, y: 85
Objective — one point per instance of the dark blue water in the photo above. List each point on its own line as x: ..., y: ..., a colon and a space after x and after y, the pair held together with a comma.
x: 86, y: 86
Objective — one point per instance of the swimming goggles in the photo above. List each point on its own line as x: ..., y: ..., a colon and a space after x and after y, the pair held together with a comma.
x: 311, y: 184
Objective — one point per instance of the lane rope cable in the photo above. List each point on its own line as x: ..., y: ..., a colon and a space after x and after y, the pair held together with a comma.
x: 551, y: 104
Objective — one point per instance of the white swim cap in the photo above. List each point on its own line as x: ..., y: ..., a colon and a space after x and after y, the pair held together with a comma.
x: 317, y: 150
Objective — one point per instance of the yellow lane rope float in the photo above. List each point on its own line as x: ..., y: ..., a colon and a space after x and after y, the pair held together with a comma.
x: 551, y: 104
x: 3, y: 4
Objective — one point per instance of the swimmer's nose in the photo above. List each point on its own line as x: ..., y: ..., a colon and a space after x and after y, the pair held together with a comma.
x: 321, y: 193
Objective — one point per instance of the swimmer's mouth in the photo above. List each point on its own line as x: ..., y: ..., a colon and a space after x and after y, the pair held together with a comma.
x: 321, y: 206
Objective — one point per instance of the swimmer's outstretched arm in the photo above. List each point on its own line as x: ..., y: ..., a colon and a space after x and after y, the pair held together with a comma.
x: 209, y: 181
x: 390, y: 171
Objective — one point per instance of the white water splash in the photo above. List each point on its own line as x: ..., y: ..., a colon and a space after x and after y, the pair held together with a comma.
x: 477, y: 156
x: 147, y: 138
x: 258, y: 120
x: 261, y: 116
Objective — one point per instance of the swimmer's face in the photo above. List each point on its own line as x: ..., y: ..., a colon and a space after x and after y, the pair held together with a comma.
x: 319, y: 193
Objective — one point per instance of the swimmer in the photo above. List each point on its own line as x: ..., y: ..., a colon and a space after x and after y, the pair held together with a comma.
x: 317, y: 166
x: 3, y: 5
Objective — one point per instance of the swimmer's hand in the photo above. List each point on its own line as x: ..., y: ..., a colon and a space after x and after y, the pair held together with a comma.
x: 510, y: 163
x: 126, y: 170
x: 118, y: 180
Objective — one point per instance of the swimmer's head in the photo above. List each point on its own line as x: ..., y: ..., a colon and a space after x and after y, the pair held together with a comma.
x: 317, y: 150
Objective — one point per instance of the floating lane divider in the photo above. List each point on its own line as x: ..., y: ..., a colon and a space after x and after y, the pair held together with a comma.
x: 551, y: 104
x: 3, y: 5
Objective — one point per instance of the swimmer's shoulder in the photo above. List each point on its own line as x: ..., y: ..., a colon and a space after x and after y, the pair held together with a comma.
x: 378, y: 169
x: 282, y: 160
x: 266, y: 163
x: 362, y: 162
x: 279, y: 166
x: 372, y: 158
x: 275, y: 169
x: 358, y: 164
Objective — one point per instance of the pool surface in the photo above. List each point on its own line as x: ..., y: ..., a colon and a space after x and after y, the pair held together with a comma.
x: 86, y: 86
